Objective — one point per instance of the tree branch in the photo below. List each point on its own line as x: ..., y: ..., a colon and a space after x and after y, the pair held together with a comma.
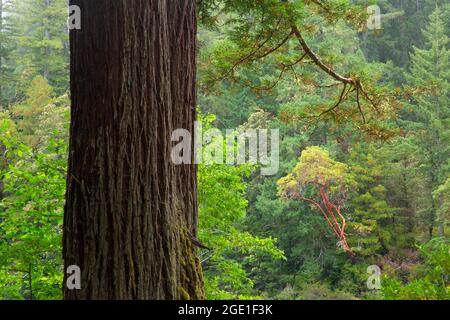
x: 317, y: 61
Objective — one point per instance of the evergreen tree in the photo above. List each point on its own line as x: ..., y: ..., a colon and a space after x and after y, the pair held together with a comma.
x: 430, y: 75
x: 6, y: 46
x: 41, y: 38
x: 370, y: 211
x: 401, y: 23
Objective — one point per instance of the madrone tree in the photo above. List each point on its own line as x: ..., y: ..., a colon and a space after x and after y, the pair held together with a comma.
x: 324, y: 183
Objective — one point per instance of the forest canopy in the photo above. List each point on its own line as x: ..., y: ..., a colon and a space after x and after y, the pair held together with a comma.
x: 363, y: 116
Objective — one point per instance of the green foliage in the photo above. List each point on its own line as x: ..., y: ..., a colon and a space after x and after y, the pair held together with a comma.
x: 315, y: 291
x: 222, y: 208
x: 442, y: 201
x: 401, y: 30
x: 370, y: 210
x: 430, y: 118
x: 31, y: 219
x: 316, y: 168
x: 40, y: 111
x: 431, y: 282
x: 42, y: 38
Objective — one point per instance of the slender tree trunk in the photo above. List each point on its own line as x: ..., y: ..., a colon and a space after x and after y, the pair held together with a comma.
x: 441, y: 230
x: 130, y: 213
x: 406, y: 203
x: 30, y: 280
x: 430, y: 232
x: 1, y: 59
x: 441, y: 222
x: 2, y: 147
x: 3, y: 164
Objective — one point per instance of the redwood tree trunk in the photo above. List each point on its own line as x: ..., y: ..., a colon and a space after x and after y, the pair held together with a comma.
x: 129, y: 211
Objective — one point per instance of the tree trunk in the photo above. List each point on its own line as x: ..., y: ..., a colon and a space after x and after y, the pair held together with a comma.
x: 130, y: 212
x: 441, y: 222
x: 47, y: 48
x: 441, y: 230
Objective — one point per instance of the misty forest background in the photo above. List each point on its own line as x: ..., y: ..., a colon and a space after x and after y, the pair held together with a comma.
x: 388, y: 165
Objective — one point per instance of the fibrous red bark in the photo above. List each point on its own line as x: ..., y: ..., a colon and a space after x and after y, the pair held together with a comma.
x: 129, y: 210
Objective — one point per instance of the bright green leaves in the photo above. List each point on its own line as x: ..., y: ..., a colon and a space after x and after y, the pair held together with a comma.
x: 222, y: 209
x: 31, y: 221
x: 33, y: 141
x: 430, y: 281
x: 317, y: 169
